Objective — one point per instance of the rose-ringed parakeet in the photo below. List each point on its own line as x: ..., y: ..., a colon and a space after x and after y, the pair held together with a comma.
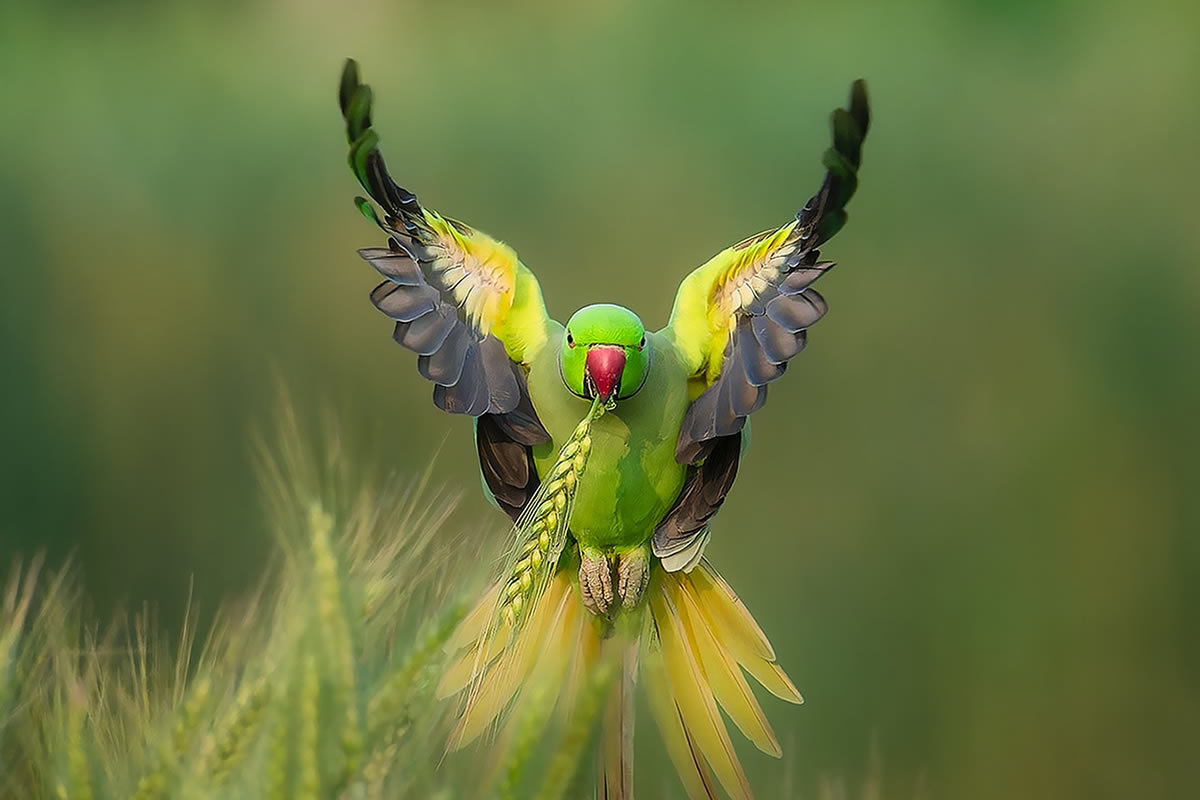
x: 611, y: 448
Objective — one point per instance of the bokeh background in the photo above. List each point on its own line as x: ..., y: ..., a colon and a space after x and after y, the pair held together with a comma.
x: 970, y: 516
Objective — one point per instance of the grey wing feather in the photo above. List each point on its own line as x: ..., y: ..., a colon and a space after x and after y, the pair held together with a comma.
x: 498, y: 376
x: 796, y: 312
x: 469, y: 395
x: 507, y: 466
x: 679, y: 538
x: 426, y: 334
x: 445, y: 366
x: 505, y: 445
x: 472, y: 372
x: 522, y: 423
x: 771, y: 325
x: 757, y: 353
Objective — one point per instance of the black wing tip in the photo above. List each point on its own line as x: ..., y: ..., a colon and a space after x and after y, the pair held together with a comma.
x: 824, y: 214
x: 356, y: 100
x: 850, y: 126
x: 860, y: 106
x: 350, y: 82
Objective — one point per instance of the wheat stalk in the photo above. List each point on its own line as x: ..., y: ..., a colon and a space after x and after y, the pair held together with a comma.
x: 541, y: 531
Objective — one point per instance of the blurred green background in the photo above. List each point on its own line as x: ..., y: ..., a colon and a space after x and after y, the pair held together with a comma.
x: 969, y: 519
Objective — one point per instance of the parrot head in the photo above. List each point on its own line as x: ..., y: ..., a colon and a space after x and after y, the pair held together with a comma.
x: 604, y: 353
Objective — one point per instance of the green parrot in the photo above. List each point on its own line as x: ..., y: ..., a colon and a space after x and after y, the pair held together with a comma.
x: 611, y: 448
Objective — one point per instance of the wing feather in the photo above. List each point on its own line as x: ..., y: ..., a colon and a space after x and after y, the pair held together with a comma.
x: 469, y: 395
x: 798, y: 311
x: 703, y: 493
x: 445, y: 366
x: 777, y: 344
x: 402, y: 302
x: 751, y: 304
x: 398, y: 267
x: 427, y: 333
x: 463, y: 301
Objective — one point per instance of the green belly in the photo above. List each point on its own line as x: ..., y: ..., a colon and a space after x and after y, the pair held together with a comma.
x: 632, y: 478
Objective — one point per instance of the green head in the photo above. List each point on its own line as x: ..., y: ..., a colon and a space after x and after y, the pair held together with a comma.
x: 604, y: 353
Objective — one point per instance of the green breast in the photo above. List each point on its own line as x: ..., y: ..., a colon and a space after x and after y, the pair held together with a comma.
x: 632, y: 478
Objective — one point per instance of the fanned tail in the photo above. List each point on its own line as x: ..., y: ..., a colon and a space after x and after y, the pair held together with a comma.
x: 697, y: 640
x: 691, y: 644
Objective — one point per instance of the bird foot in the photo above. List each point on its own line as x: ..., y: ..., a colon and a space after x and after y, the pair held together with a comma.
x: 633, y: 576
x: 595, y: 581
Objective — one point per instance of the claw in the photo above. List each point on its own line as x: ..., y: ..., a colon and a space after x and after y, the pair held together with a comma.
x: 633, y: 575
x: 595, y: 582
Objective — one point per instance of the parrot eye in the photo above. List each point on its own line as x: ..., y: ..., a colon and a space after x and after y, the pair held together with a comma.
x: 642, y: 343
x: 570, y: 340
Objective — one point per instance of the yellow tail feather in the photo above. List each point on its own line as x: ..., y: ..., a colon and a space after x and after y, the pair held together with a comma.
x: 688, y: 644
x: 729, y: 686
x: 689, y: 763
x: 689, y: 686
x: 736, y: 629
x: 698, y: 639
x: 730, y: 616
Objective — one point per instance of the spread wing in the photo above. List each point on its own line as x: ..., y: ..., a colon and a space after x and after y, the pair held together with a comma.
x: 463, y: 302
x: 738, y: 319
x: 460, y: 299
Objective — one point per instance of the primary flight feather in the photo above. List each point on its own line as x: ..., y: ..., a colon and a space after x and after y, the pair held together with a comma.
x: 611, y: 448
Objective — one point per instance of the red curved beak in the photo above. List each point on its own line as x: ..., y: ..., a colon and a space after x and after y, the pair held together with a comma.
x: 605, y: 363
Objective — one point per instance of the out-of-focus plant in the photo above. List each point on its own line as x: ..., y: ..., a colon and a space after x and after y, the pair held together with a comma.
x: 319, y: 686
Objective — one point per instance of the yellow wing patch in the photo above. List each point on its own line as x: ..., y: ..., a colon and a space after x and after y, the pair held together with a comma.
x: 452, y: 290
x: 479, y: 272
x: 706, y: 307
x: 751, y: 267
x: 495, y: 292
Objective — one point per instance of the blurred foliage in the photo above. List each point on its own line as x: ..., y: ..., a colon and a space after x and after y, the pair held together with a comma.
x: 323, y: 683
x: 317, y: 686
x: 969, y: 518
